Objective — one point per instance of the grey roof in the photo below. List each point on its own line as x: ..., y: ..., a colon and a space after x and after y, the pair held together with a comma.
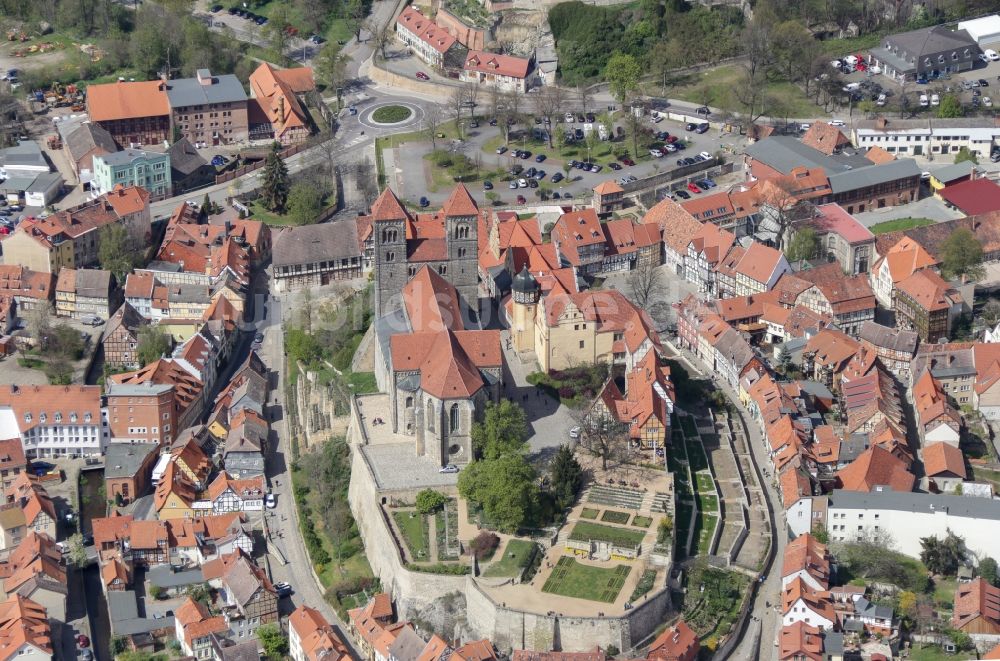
x: 126, y: 316
x: 136, y: 389
x: 853, y: 447
x: 785, y: 153
x: 165, y: 577
x: 884, y: 498
x: 897, y: 124
x: 157, y: 265
x: 242, y: 465
x: 407, y: 646
x: 188, y: 293
x: 873, y: 175
x: 185, y: 92
x: 43, y: 182
x: 124, y: 459
x: 943, y: 363
x: 122, y: 605
x: 387, y: 326
x: 815, y: 388
x: 316, y: 243
x: 833, y: 644
x: 242, y: 582
x: 86, y: 137
x: 889, y: 338
x: 864, y: 607
x: 928, y: 41
x: 93, y: 283
x: 128, y: 156
x: 26, y: 153
x: 227, y: 650
x: 17, y: 184
x: 184, y: 158
x: 949, y: 173
x: 251, y: 393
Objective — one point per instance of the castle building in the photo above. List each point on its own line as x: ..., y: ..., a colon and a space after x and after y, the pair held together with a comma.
x: 445, y: 241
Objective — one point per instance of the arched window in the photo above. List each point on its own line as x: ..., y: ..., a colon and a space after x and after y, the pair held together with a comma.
x: 430, y: 416
x: 453, y: 415
x: 409, y: 402
x: 390, y: 256
x: 462, y: 232
x: 442, y: 269
x: 461, y: 252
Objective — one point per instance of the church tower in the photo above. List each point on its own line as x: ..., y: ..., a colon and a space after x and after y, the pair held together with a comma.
x: 461, y: 217
x: 525, y: 293
x: 389, y: 223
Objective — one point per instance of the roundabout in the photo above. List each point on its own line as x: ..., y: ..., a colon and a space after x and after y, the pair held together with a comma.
x: 391, y: 115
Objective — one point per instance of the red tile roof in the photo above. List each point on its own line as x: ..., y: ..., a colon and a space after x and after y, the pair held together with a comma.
x: 676, y: 224
x: 317, y: 638
x: 425, y: 29
x: 23, y: 621
x: 832, y: 218
x: 799, y: 641
x: 448, y: 362
x: 610, y: 310
x: 944, y: 459
x: 676, y: 643
x: 501, y: 65
x: 973, y: 196
x: 876, y: 466
x: 127, y: 100
x: 825, y: 137
x: 807, y: 553
x: 930, y: 291
x: 432, y: 303
x: 975, y: 600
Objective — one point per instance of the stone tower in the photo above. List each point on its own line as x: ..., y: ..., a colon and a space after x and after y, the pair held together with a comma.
x: 389, y: 223
x: 525, y: 293
x: 461, y: 217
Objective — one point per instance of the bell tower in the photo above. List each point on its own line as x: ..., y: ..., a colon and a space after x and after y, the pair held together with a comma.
x: 525, y: 293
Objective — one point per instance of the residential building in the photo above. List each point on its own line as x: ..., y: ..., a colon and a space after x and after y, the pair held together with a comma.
x: 579, y: 239
x: 175, y: 494
x: 944, y: 465
x: 188, y: 170
x: 801, y: 603
x: 369, y: 624
x: 505, y: 72
x: 628, y: 245
x: 171, y: 400
x: 976, y: 611
x: 928, y: 305
x: 226, y: 494
x: 133, y: 167
x: 895, y: 348
x: 81, y: 142
x: 134, y: 113
x: 801, y: 642
x: 250, y: 600
x: 644, y: 410
x: 207, y: 109
x: 429, y: 41
x: 749, y: 271
x: 85, y: 293
x: 121, y: 337
x: 843, y: 238
x: 676, y: 643
x: 918, y: 137
x: 808, y: 559
x: 898, y: 263
x: 706, y: 249
x: 25, y: 631
x: 205, y: 538
x: 35, y: 570
x: 827, y: 354
x: 275, y: 110
x: 909, y: 516
x: 677, y: 227
x: 826, y: 138
x: 12, y: 461
x: 311, y: 638
x: 246, y: 443
x: 953, y: 366
x: 920, y: 54
x: 54, y: 421
x: 317, y: 255
x: 734, y: 210
x: 31, y: 501
x: 128, y: 468
x: 193, y: 626
x: 826, y: 290
x: 936, y: 419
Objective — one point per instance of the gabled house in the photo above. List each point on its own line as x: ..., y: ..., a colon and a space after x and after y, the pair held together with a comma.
x: 801, y: 603
x: 311, y: 638
x: 894, y: 347
x: 944, y: 465
x: 928, y: 305
x: 34, y: 570
x: 937, y: 420
x: 193, y: 626
x: 977, y: 609
x: 876, y: 467
x: 902, y: 260
x: 248, y: 599
x: 676, y: 643
x: 808, y: 559
x: 25, y: 631
x: 801, y: 642
x: 203, y: 538
x: 226, y: 494
x: 175, y: 494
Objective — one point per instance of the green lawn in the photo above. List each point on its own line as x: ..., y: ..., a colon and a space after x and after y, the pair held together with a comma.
x: 516, y: 556
x: 362, y: 382
x: 611, y: 516
x: 696, y: 456
x: 921, y: 652
x: 414, y: 531
x: 589, y: 513
x: 641, y: 521
x: 708, y: 503
x: 704, y: 482
x: 258, y: 212
x: 573, y: 579
x: 944, y: 593
x: 717, y: 87
x: 585, y: 531
x: 899, y: 224
x: 704, y: 531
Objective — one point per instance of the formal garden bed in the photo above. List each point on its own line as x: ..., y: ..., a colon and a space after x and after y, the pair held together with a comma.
x: 585, y: 531
x: 589, y: 513
x: 575, y: 387
x: 446, y: 531
x: 570, y: 578
x: 645, y: 584
x: 611, y: 516
x: 640, y: 521
x: 392, y: 114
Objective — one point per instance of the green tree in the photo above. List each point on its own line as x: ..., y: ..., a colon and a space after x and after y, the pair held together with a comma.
x: 950, y: 107
x: 202, y: 593
x: 305, y: 201
x: 274, y: 642
x: 154, y: 343
x: 331, y: 67
x: 118, y: 645
x: 77, y: 554
x: 156, y: 592
x: 942, y: 556
x: 988, y: 570
x: 964, y: 154
x: 504, y: 430
x: 622, y: 73
x: 804, y: 245
x: 504, y: 487
x: 274, y: 181
x: 962, y: 255
x: 429, y: 501
x: 567, y: 476
x: 114, y: 252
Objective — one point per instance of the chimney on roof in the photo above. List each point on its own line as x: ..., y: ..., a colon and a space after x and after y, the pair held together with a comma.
x: 204, y: 77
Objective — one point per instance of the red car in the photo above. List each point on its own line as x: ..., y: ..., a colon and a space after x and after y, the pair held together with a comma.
x: 521, y: 200
x: 693, y: 188
x: 423, y: 76
x: 82, y: 640
x: 627, y: 161
x: 671, y: 139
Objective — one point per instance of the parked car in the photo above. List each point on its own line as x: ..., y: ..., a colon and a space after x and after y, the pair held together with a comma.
x: 82, y: 640
x: 924, y: 101
x: 991, y: 54
x: 219, y: 160
x: 522, y: 183
x: 450, y: 468
x: 656, y: 153
x: 569, y: 117
x: 693, y: 188
x: 424, y: 203
x: 539, y: 158
x: 521, y: 200
x: 983, y: 82
x: 532, y: 183
x: 316, y: 39
x: 270, y: 502
x: 988, y: 102
x: 557, y: 177
x: 935, y: 100
x: 574, y: 432
x: 487, y: 185
x: 705, y: 155
x: 422, y: 76
x: 594, y: 167
x: 683, y: 194
x: 880, y: 101
x: 513, y: 184
x: 501, y: 149
x: 283, y: 588
x: 525, y: 154
x: 690, y: 126
x: 614, y: 166
x: 627, y: 161
x: 706, y: 183
x: 702, y: 128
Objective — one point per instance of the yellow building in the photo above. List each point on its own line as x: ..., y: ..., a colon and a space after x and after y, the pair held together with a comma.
x: 175, y: 495
x: 576, y: 329
x: 38, y: 253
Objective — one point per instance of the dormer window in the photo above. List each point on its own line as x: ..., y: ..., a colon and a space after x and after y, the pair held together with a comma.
x: 27, y: 417
x: 86, y: 417
x: 42, y: 417
x: 72, y: 417
x: 58, y: 416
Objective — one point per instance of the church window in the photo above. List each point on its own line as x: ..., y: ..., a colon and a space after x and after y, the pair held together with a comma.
x: 430, y: 416
x: 454, y: 418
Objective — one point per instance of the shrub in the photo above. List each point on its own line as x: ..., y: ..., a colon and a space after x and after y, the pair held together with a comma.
x: 430, y: 501
x: 484, y: 545
x: 156, y: 592
x: 440, y: 568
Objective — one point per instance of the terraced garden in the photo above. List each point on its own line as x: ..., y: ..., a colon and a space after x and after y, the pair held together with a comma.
x: 584, y: 531
x: 413, y: 528
x: 517, y: 555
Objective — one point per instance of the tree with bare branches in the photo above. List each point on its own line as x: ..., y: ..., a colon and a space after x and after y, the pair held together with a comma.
x: 456, y: 103
x: 382, y: 35
x: 646, y: 283
x: 548, y: 102
x: 432, y: 120
x: 510, y: 113
x: 605, y: 439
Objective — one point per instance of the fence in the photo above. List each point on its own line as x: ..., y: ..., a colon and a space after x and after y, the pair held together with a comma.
x: 247, y: 169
